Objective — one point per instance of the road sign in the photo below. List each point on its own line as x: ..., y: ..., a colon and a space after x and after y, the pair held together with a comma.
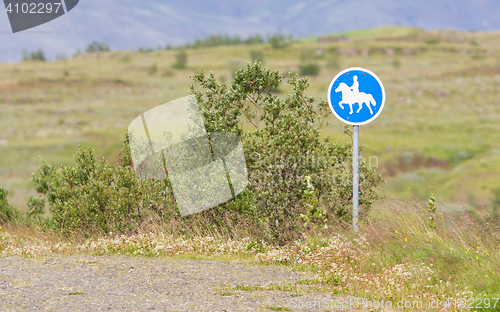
x: 356, y: 96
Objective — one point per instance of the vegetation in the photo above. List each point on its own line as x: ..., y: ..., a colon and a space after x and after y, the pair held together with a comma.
x: 145, y: 50
x: 283, y: 149
x: 181, y: 60
x: 97, y: 46
x: 309, y: 69
x: 7, y: 212
x: 216, y: 40
x: 34, y: 56
x: 278, y: 40
x: 95, y: 198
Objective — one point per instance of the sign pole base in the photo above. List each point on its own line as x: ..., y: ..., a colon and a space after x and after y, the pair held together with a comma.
x: 355, y: 177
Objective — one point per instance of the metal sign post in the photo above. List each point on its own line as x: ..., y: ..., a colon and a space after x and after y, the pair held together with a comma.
x: 355, y: 177
x: 356, y: 97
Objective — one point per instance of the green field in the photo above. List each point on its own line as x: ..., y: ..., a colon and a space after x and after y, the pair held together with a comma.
x: 437, y: 132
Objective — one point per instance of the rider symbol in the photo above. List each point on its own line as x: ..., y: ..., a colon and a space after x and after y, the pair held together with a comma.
x: 351, y: 95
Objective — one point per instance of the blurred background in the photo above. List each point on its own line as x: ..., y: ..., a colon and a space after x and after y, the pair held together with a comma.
x: 82, y: 78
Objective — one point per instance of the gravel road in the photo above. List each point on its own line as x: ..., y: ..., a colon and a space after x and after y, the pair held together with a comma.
x: 121, y: 283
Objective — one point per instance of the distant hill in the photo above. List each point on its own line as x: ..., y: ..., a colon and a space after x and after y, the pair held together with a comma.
x: 127, y: 24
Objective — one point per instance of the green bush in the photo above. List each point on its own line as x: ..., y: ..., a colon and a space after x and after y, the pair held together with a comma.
x: 432, y: 40
x: 309, y: 69
x: 278, y: 40
x: 95, y: 197
x: 7, y: 212
x: 34, y: 56
x: 35, y: 207
x: 181, y: 60
x: 216, y: 40
x: 283, y: 149
x: 97, y: 46
x: 495, y: 204
x: 145, y: 50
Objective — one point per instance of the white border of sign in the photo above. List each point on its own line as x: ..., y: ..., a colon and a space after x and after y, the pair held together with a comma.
x: 330, y: 102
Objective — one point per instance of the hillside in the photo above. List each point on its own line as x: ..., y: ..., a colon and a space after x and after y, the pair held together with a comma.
x: 130, y: 24
x: 437, y: 131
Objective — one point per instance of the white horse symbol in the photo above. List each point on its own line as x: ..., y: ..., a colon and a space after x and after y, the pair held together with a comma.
x: 351, y: 97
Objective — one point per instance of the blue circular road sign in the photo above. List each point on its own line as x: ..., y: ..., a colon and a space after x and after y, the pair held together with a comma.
x: 356, y: 96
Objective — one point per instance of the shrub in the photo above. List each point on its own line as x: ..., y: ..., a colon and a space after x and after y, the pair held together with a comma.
x: 97, y: 46
x: 181, y: 60
x: 7, y: 212
x: 95, y: 197
x: 34, y: 56
x: 278, y: 40
x: 495, y: 204
x: 35, y: 206
x: 216, y: 40
x: 432, y: 40
x: 145, y: 50
x: 309, y: 69
x: 234, y: 65
x: 283, y: 149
